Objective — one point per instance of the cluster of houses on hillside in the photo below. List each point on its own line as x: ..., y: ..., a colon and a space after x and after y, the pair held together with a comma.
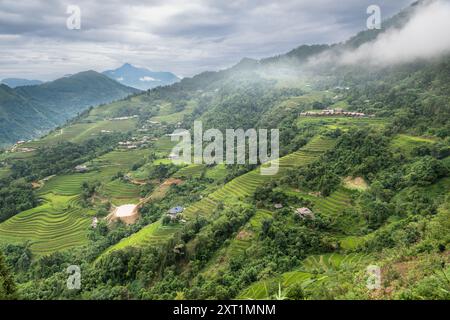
x: 123, y: 118
x: 17, y: 147
x: 135, y: 142
x: 334, y: 112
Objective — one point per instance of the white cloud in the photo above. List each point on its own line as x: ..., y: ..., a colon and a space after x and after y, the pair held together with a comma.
x: 425, y: 36
x: 146, y: 79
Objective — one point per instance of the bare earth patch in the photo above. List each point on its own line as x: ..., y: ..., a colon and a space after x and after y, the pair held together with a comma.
x: 127, y: 213
x: 357, y: 183
x: 244, y: 235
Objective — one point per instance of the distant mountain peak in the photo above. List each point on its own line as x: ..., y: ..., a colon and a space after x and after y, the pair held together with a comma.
x: 141, y: 78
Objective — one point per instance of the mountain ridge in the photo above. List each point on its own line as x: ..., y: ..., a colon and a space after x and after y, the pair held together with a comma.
x: 140, y: 78
x: 29, y: 111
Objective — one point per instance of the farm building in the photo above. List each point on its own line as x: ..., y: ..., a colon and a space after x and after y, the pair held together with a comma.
x: 176, y: 210
x: 305, y: 213
x: 278, y: 206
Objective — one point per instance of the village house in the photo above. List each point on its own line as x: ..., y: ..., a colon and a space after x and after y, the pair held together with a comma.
x: 278, y: 206
x: 175, y: 212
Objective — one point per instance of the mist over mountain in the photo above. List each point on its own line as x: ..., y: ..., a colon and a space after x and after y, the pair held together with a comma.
x: 417, y: 33
x: 141, y: 78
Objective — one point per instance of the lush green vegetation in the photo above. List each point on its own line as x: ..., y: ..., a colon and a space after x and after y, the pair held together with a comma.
x: 30, y: 111
x: 377, y: 190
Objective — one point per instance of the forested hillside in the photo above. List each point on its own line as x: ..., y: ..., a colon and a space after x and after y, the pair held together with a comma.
x: 27, y: 112
x: 363, y: 181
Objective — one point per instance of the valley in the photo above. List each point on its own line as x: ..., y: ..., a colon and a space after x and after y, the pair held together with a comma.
x: 363, y: 183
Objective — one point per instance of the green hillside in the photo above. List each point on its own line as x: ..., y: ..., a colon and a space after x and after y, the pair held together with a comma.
x: 30, y: 111
x: 363, y: 181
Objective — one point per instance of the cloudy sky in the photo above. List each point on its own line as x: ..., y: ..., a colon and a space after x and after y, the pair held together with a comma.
x: 185, y: 37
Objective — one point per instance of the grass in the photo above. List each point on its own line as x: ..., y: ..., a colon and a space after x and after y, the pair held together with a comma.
x: 133, y: 104
x: 152, y: 234
x: 235, y: 190
x: 314, y: 270
x: 164, y: 146
x: 167, y: 114
x: 57, y: 224
x: 343, y: 123
x: 406, y: 143
x: 217, y: 173
x: 238, y: 245
x: 335, y: 208
x: 80, y: 132
x: 191, y: 171
x: 60, y: 223
x: 4, y: 172
x: 120, y: 192
x: 16, y: 155
x: 438, y: 190
x: 102, y: 168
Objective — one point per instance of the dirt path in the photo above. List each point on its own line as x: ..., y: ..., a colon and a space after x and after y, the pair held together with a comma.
x: 161, y: 190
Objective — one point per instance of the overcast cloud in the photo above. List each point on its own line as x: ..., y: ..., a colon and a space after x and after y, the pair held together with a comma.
x: 185, y: 37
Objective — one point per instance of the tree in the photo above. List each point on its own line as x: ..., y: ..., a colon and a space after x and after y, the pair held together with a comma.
x: 7, y: 285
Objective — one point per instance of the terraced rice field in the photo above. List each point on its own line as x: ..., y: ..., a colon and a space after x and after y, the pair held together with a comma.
x: 4, y: 172
x: 334, y: 207
x: 16, y: 155
x: 80, y: 132
x: 314, y: 269
x: 102, y: 169
x: 237, y: 189
x: 405, y: 143
x: 167, y: 114
x: 342, y: 123
x: 191, y: 171
x: 66, y: 185
x: 152, y: 234
x: 164, y: 146
x: 57, y: 224
x: 217, y: 173
x: 239, y: 244
x: 120, y: 192
x: 115, y: 108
